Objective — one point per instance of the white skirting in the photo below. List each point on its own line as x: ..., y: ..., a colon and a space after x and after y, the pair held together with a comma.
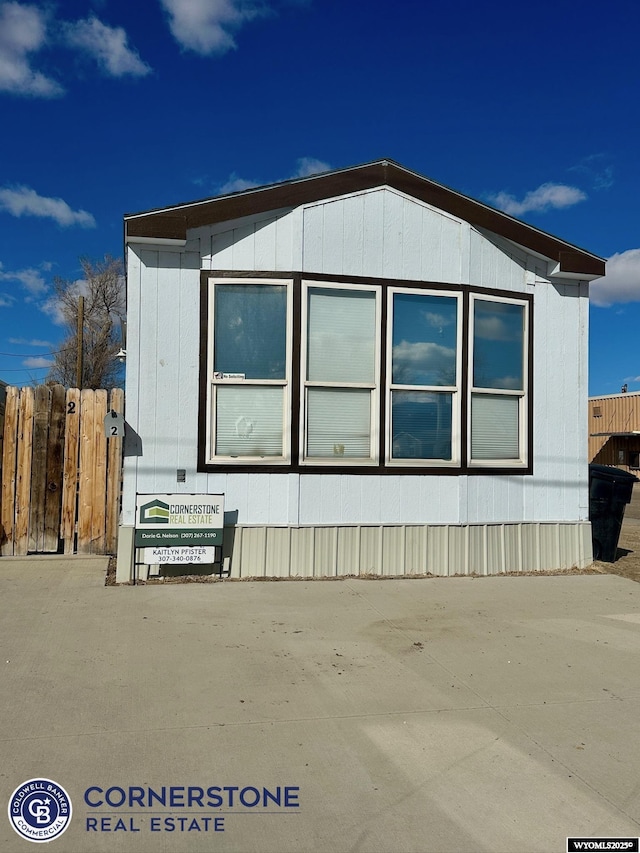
x: 392, y: 550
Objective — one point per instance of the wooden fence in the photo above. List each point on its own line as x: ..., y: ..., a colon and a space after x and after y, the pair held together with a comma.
x: 61, y: 476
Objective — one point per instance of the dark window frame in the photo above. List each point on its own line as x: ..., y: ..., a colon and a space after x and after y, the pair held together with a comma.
x: 295, y: 465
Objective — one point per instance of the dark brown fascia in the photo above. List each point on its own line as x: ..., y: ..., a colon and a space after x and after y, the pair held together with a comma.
x: 173, y: 223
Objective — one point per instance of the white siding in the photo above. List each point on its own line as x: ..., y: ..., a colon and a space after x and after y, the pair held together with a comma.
x: 379, y: 233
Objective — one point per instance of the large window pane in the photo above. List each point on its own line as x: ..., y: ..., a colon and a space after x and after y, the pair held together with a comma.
x: 338, y: 423
x: 498, y: 345
x: 424, y: 339
x: 495, y: 427
x: 421, y: 425
x: 341, y: 335
x: 249, y: 420
x: 250, y: 334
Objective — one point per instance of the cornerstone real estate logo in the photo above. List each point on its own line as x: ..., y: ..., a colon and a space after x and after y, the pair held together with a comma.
x: 40, y: 810
x: 155, y: 512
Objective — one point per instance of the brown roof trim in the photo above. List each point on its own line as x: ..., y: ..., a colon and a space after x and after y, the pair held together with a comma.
x: 173, y: 222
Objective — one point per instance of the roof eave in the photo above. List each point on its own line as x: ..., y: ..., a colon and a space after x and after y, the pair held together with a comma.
x: 172, y: 223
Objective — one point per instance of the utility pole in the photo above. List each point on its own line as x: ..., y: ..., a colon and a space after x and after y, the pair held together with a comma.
x: 80, y: 341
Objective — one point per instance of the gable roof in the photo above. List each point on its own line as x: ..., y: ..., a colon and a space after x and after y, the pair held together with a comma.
x: 172, y: 223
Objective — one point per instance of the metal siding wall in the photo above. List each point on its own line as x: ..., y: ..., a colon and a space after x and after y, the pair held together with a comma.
x: 263, y: 242
x: 167, y: 373
x: 580, y: 412
x: 302, y: 552
x: 619, y: 413
x: 132, y: 389
x: 373, y: 241
x: 278, y: 551
x: 437, y: 550
x: 558, y: 488
x: 169, y: 349
x: 373, y: 233
x: 397, y: 550
x: 371, y: 499
x: 148, y: 342
x: 188, y: 375
x: 496, y: 263
x: 383, y: 233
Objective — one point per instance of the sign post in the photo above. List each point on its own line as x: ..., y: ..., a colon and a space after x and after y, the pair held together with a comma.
x: 179, y: 528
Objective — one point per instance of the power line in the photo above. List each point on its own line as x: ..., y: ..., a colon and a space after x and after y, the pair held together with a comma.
x: 24, y: 369
x: 37, y: 354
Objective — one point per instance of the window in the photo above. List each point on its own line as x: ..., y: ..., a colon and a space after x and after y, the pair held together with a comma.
x: 634, y: 459
x: 340, y: 374
x: 321, y: 374
x: 498, y: 381
x: 250, y: 370
x: 423, y: 366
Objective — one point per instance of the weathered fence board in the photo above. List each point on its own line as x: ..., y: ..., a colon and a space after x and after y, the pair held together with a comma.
x: 55, y: 463
x: 42, y: 410
x: 70, y: 470
x: 114, y: 477
x: 86, y: 471
x: 23, y: 480
x: 9, y: 458
x: 99, y: 482
x: 61, y: 477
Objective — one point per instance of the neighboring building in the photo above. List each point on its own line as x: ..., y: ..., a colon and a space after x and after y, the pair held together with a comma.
x: 614, y: 430
x: 381, y: 375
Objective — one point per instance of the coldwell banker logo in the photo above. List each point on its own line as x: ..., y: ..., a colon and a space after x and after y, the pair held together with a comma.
x: 155, y: 512
x: 40, y: 810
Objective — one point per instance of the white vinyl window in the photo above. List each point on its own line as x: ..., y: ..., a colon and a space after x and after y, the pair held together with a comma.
x: 498, y: 331
x: 441, y: 382
x: 339, y: 371
x: 249, y: 366
x: 424, y: 368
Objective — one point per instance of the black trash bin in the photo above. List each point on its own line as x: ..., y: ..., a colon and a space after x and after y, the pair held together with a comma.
x: 610, y: 491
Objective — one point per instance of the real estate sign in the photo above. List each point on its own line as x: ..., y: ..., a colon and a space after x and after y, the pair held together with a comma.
x: 179, y: 521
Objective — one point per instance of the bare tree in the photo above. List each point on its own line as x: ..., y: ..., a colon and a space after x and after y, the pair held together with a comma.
x: 101, y: 312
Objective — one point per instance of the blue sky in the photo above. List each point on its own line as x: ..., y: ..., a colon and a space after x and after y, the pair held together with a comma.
x: 111, y: 107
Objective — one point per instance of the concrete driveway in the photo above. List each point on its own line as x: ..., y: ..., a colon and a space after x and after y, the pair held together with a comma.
x: 492, y: 714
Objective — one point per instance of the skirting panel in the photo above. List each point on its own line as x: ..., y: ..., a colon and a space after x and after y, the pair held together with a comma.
x: 392, y: 550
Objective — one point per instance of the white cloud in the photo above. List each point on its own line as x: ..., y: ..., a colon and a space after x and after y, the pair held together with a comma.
x: 34, y: 342
x: 621, y: 283
x: 52, y: 308
x: 438, y: 321
x: 207, y: 26
x: 546, y: 197
x: 421, y: 356
x: 23, y: 31
x: 235, y: 184
x: 107, y: 45
x: 306, y: 166
x: 31, y: 279
x: 6, y: 300
x: 597, y: 169
x: 23, y: 201
x: 37, y: 361
x: 494, y: 328
x: 422, y: 353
